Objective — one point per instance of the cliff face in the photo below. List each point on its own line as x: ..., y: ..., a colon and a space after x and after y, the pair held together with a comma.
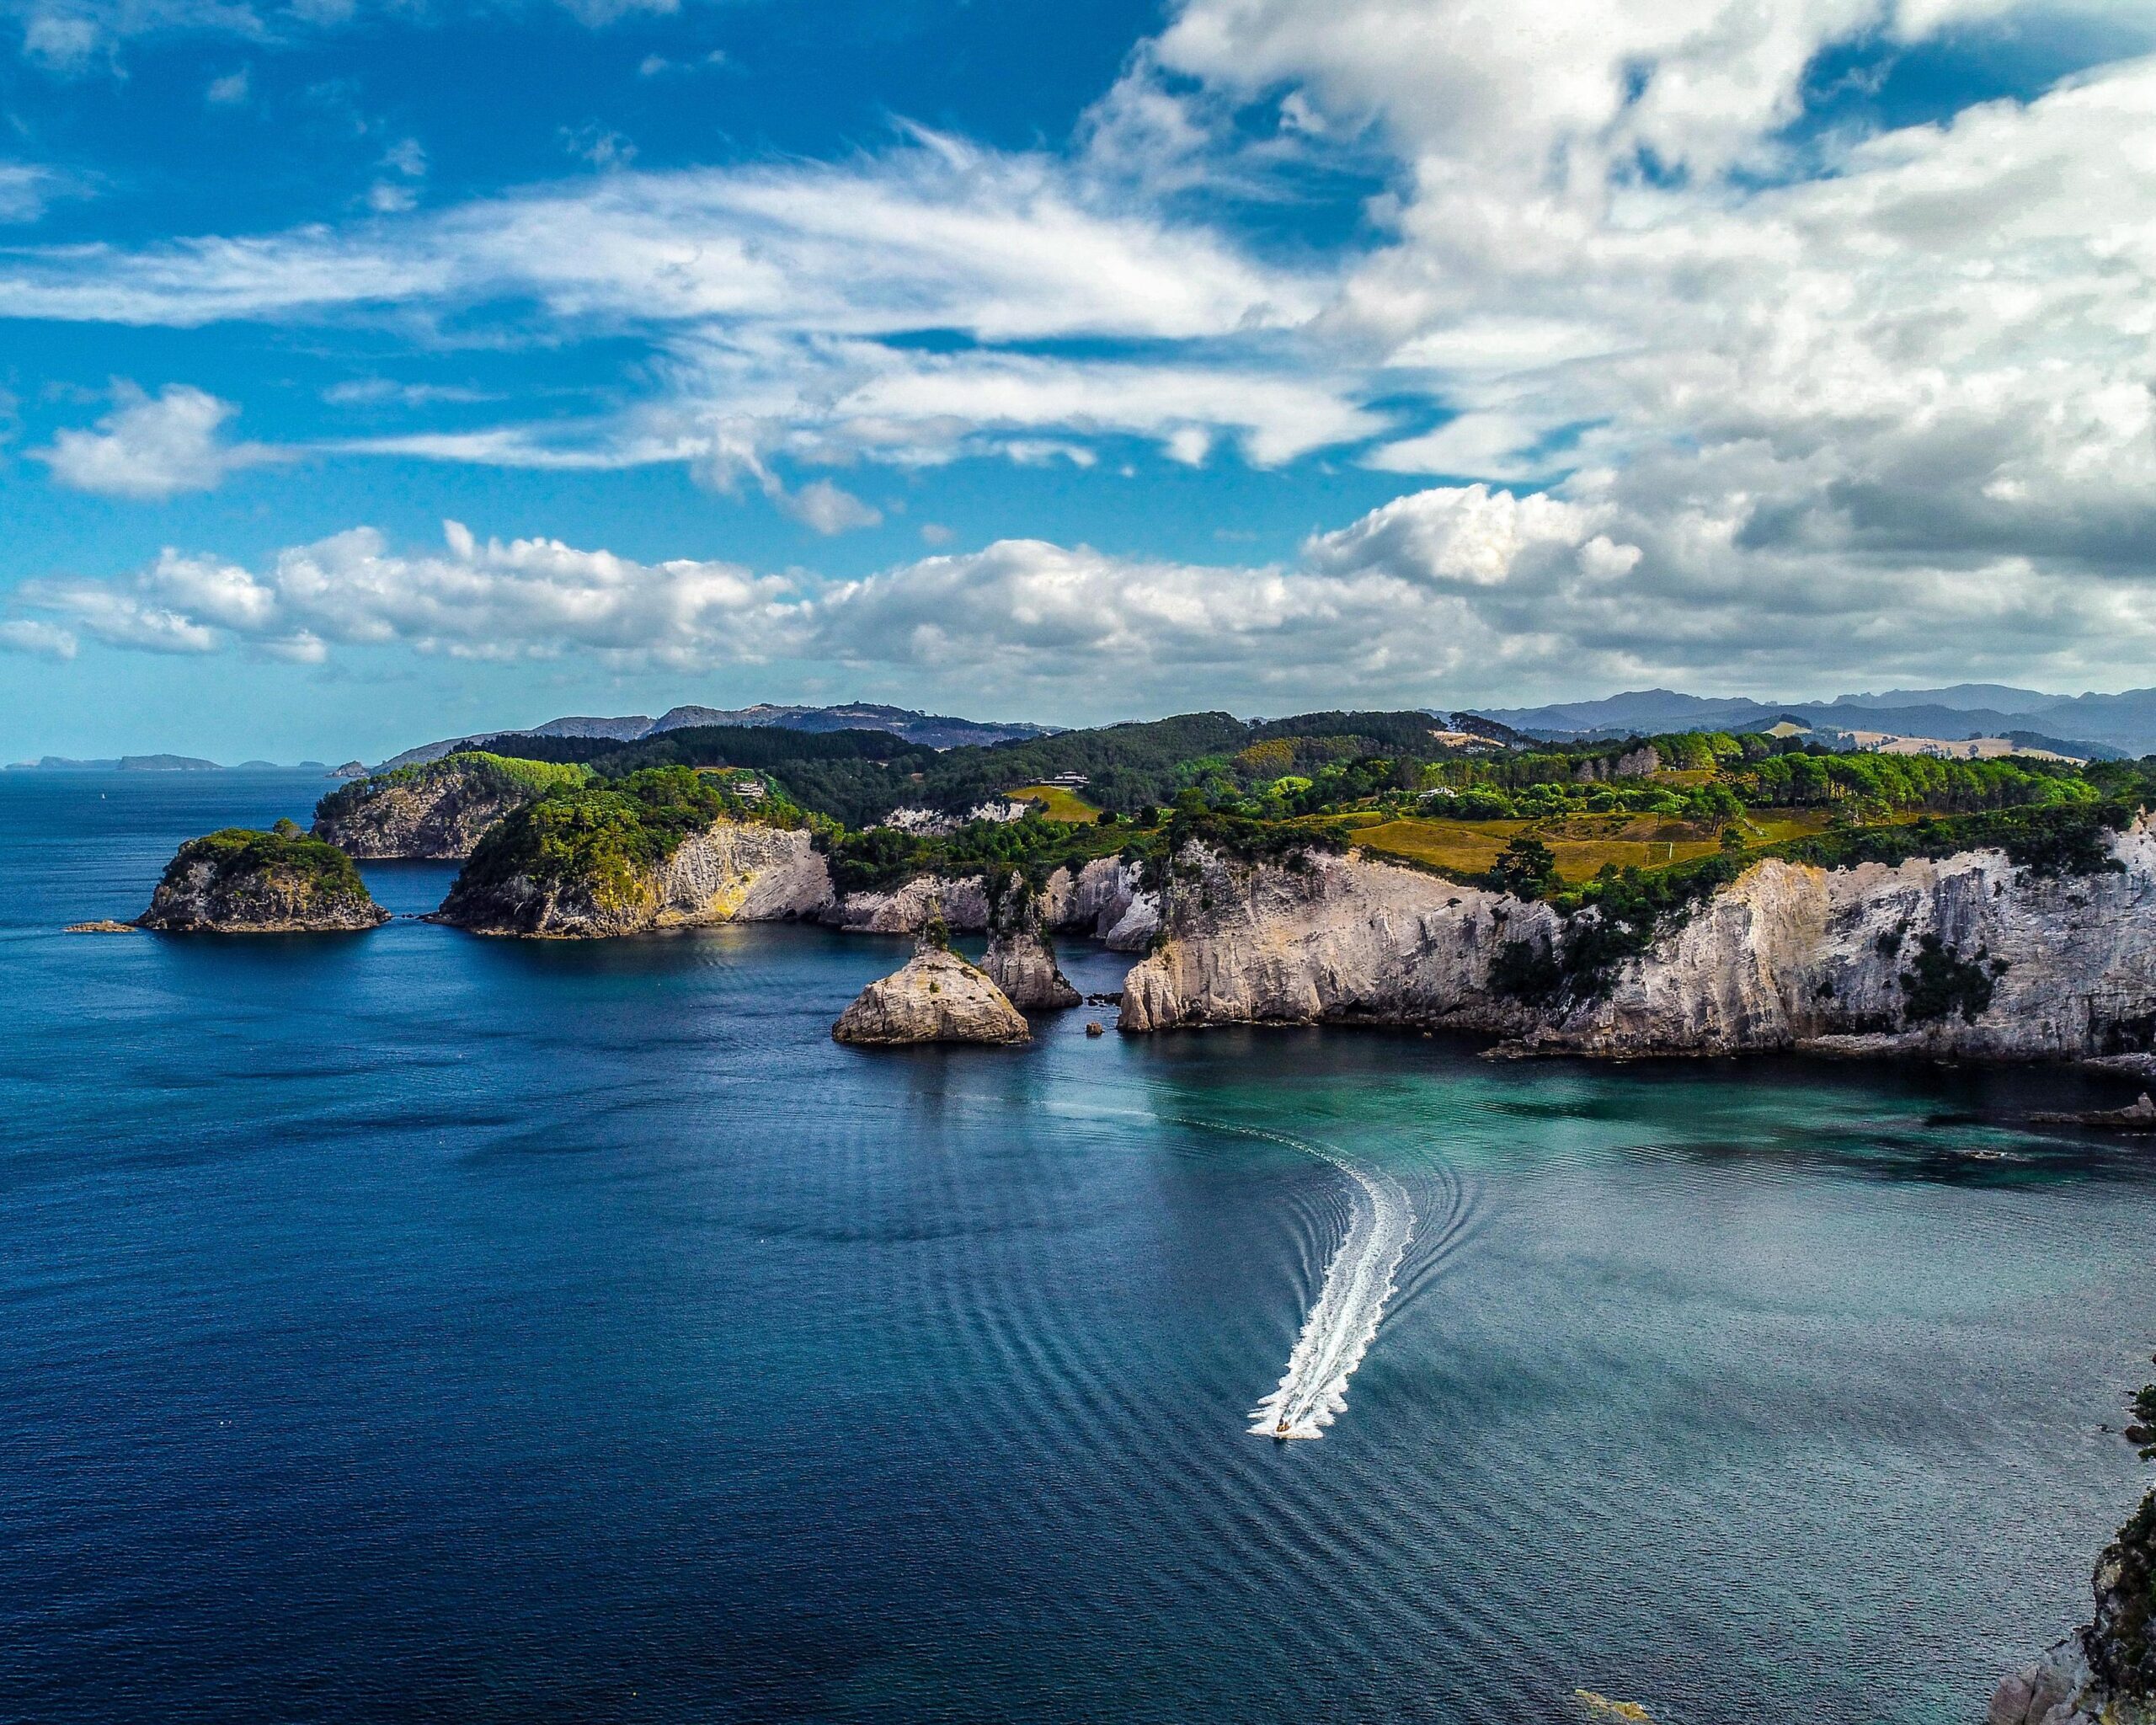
x: 1968, y: 955
x: 2106, y: 1674
x: 436, y: 811
x: 906, y: 910
x: 728, y: 873
x: 1105, y: 901
x: 936, y: 997
x: 243, y: 881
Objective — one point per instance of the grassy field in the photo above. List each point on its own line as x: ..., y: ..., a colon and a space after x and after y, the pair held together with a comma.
x: 1062, y: 804
x: 1582, y: 845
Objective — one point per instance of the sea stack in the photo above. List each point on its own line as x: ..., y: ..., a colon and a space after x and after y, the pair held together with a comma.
x: 239, y: 881
x: 937, y: 996
x: 1019, y: 959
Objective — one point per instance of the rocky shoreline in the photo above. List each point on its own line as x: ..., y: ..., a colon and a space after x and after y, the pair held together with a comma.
x: 1968, y: 956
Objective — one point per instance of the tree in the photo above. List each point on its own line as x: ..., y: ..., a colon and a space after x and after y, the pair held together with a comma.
x: 1526, y: 869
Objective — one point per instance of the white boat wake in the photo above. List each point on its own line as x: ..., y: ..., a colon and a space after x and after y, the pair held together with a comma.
x: 1339, y: 1329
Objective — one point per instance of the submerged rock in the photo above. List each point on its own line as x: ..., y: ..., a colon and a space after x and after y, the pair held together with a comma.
x: 238, y: 881
x: 937, y: 997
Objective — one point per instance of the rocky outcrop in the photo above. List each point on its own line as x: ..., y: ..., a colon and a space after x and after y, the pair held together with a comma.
x: 239, y: 881
x: 962, y: 905
x: 937, y: 996
x: 1105, y: 901
x: 731, y: 871
x: 1966, y: 956
x: 438, y: 810
x: 1019, y: 959
x: 2105, y: 1673
x: 1022, y: 965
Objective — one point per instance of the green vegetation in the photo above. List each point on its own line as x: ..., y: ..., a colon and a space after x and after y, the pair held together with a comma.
x: 881, y: 858
x: 505, y: 776
x: 284, y: 856
x: 1939, y: 982
x: 605, y: 839
x: 1057, y: 803
x: 1624, y: 839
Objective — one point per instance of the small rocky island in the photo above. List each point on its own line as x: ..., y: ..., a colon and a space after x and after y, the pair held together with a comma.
x: 937, y: 996
x: 240, y: 881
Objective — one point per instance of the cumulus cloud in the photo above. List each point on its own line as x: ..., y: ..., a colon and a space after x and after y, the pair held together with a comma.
x: 823, y: 506
x: 152, y: 447
x: 1747, y: 377
x: 29, y: 635
x: 522, y: 600
x: 1451, y: 595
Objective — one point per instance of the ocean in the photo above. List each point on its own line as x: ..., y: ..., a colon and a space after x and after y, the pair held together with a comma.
x: 412, y: 1326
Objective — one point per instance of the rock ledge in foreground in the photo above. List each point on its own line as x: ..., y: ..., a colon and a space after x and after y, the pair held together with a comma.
x: 937, y: 997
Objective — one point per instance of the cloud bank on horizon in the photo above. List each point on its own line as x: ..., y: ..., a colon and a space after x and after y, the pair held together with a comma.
x: 1529, y: 350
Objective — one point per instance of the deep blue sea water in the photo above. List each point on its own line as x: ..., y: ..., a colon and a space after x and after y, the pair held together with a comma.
x: 413, y: 1327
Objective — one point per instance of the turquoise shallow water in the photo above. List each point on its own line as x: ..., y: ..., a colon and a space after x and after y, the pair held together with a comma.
x: 417, y: 1327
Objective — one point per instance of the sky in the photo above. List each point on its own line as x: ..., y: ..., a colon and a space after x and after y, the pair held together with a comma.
x: 373, y: 370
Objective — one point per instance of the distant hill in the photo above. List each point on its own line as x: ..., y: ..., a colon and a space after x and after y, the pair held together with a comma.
x: 2086, y: 725
x: 926, y: 730
x: 166, y: 763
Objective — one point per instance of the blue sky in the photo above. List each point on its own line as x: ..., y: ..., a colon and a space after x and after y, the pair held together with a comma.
x: 373, y: 371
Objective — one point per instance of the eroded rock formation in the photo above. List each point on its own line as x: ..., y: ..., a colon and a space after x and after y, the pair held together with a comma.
x: 731, y: 871
x: 1019, y: 959
x: 937, y: 997
x: 437, y: 811
x: 1969, y: 955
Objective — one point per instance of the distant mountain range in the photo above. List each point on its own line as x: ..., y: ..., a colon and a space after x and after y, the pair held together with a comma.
x: 157, y: 763
x: 931, y: 730
x: 2121, y: 724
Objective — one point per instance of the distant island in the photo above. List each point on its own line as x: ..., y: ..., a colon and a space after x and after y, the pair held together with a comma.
x: 172, y: 763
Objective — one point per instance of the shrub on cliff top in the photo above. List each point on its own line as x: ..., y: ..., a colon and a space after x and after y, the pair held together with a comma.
x: 605, y: 839
x: 236, y: 852
x: 484, y: 774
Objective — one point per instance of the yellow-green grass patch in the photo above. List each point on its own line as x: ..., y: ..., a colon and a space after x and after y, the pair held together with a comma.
x: 1062, y: 804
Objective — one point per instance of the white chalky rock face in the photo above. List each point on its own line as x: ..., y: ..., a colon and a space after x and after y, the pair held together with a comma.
x: 1021, y: 965
x: 908, y: 909
x: 1786, y: 956
x: 936, y: 997
x: 732, y: 871
x: 744, y: 873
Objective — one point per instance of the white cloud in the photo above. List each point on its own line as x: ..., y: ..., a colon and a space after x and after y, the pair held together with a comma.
x: 1900, y: 376
x: 525, y: 599
x: 1455, y: 594
x: 151, y: 448
x: 24, y: 191
x: 43, y: 639
x: 824, y: 507
x: 231, y: 90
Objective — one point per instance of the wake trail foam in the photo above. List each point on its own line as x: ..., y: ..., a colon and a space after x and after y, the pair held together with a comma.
x: 1341, y: 1326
